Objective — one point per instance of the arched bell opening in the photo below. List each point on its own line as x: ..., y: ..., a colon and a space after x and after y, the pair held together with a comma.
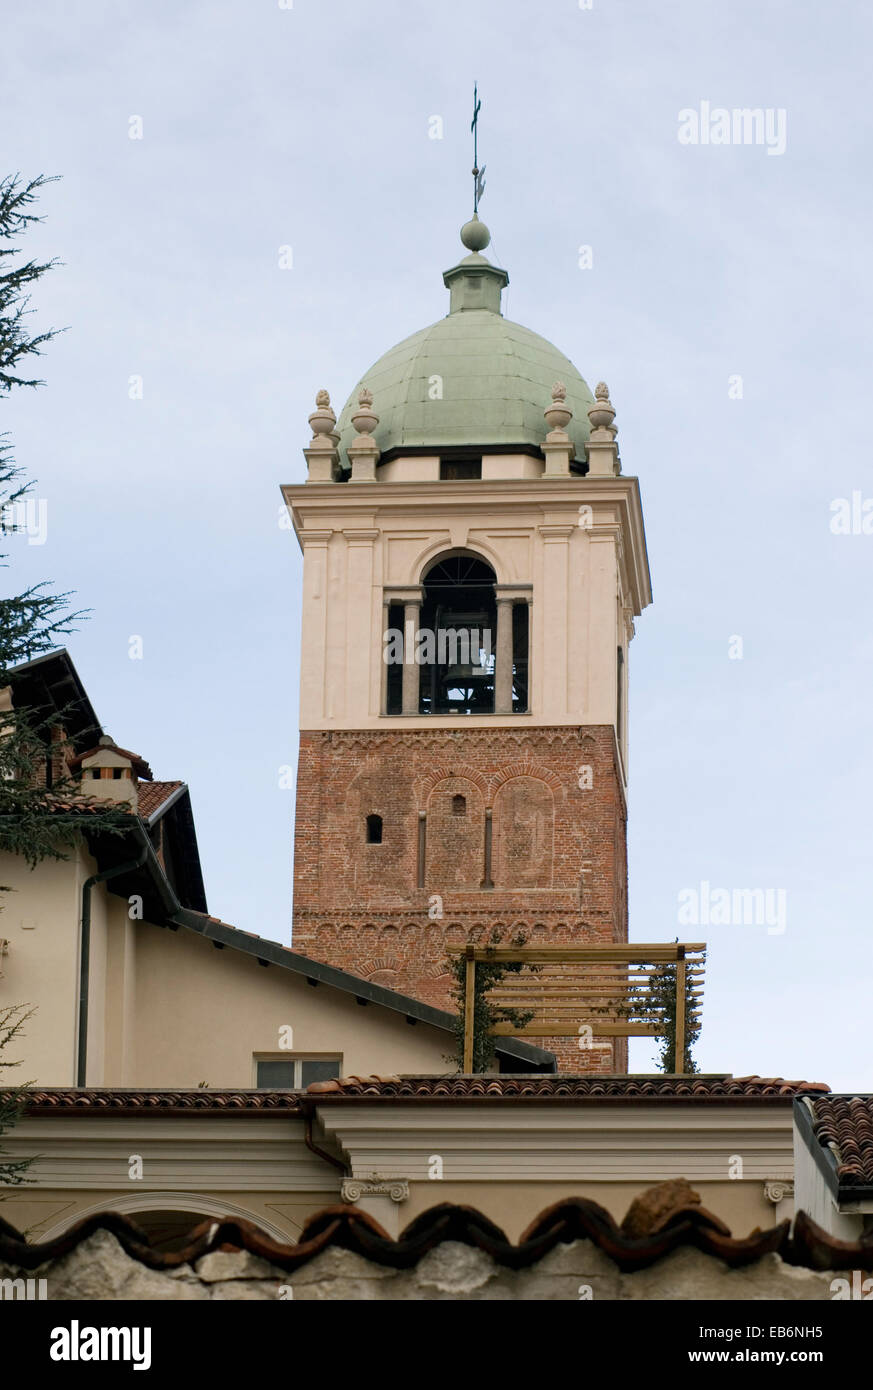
x: 459, y: 617
x: 456, y: 644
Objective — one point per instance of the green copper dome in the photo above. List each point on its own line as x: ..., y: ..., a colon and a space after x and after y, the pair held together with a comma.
x: 474, y: 378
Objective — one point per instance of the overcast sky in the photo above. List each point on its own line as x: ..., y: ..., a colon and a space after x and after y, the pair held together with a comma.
x: 267, y: 125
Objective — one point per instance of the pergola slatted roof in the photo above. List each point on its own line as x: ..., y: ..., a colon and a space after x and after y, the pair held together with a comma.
x: 606, y: 990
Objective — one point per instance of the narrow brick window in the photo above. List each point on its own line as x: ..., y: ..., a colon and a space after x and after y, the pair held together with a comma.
x: 374, y: 830
x: 459, y: 805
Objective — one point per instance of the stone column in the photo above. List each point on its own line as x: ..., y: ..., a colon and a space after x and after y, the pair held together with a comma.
x: 503, y: 658
x: 411, y: 668
x: 360, y: 543
x: 314, y: 678
x: 383, y: 677
x: 554, y: 620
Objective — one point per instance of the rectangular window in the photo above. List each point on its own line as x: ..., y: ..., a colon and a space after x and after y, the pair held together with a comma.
x: 394, y: 674
x: 452, y: 470
x: 295, y: 1073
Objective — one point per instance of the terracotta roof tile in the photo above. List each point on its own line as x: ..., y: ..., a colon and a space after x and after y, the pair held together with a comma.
x: 561, y: 1087
x: 844, y: 1125
x: 348, y: 1228
x: 133, y: 1100
x: 120, y: 1101
x: 85, y: 805
x: 152, y: 795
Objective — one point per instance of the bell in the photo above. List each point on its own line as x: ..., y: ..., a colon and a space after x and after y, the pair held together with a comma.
x: 464, y: 675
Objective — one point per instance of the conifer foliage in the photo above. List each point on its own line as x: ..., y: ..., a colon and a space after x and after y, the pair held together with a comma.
x: 485, y: 1014
x: 35, y: 817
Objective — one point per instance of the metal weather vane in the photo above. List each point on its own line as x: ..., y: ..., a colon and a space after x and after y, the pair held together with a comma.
x: 478, y: 174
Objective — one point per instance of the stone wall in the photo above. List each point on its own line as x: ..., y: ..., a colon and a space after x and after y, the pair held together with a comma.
x: 99, y: 1269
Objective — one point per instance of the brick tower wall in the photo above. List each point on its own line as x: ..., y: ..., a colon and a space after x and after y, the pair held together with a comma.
x: 382, y: 911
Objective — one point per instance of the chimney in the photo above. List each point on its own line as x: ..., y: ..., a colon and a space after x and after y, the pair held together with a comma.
x: 112, y: 773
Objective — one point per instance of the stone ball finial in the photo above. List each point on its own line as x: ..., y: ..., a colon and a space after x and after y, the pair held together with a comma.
x: 558, y: 414
x: 602, y: 412
x: 475, y: 235
x: 364, y: 420
x: 322, y: 420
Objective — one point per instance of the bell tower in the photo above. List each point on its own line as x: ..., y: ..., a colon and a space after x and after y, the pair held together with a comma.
x: 473, y: 560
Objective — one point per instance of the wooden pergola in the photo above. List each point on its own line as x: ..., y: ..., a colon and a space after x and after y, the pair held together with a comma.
x: 589, y: 991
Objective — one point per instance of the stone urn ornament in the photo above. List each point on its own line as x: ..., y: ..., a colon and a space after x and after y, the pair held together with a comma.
x: 322, y: 420
x: 602, y: 412
x: 558, y: 414
x: 364, y: 420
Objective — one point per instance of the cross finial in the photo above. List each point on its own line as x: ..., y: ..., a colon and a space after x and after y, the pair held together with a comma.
x: 478, y: 174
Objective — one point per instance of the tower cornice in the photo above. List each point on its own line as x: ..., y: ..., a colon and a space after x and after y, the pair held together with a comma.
x: 600, y: 506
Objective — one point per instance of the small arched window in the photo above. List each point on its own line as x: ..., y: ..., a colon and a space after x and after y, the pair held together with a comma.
x: 459, y: 805
x: 374, y: 830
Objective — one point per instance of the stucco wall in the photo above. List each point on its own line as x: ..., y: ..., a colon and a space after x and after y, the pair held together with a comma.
x: 40, y: 919
x: 358, y: 541
x: 202, y: 1014
x: 167, y: 1008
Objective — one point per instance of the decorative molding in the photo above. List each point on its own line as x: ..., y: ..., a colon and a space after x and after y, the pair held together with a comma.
x: 488, y: 783
x: 353, y: 1189
x: 611, y: 1129
x: 487, y: 737
x: 556, y: 532
x: 197, y: 1203
x: 775, y: 1189
x: 360, y: 536
x: 447, y: 772
x: 544, y: 918
x: 526, y: 768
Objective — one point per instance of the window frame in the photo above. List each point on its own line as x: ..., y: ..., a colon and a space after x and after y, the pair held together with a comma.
x: 296, y: 1059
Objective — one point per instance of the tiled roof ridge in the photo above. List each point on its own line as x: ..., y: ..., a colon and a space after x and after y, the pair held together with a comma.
x: 134, y: 1100
x: 141, y: 1100
x: 85, y: 805
x: 346, y: 1227
x: 484, y: 1087
x: 843, y: 1124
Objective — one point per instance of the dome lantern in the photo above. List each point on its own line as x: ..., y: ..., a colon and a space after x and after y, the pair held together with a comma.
x: 474, y: 283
